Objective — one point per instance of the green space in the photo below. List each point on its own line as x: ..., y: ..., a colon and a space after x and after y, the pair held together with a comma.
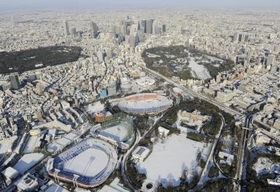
x: 255, y: 183
x: 174, y: 61
x: 26, y: 60
x: 209, y: 129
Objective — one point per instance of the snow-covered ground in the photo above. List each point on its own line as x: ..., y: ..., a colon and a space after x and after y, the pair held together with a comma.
x: 200, y: 71
x: 94, y: 107
x: 88, y: 163
x: 169, y: 159
x: 118, y: 132
x: 214, y: 58
x: 151, y: 55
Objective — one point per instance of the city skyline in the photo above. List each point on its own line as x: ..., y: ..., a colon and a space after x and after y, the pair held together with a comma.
x: 63, y: 4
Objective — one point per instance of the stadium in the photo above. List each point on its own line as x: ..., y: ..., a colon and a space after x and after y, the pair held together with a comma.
x: 145, y: 103
x: 119, y: 131
x: 87, y: 164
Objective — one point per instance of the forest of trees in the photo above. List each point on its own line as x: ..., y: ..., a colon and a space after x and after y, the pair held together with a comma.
x: 25, y: 60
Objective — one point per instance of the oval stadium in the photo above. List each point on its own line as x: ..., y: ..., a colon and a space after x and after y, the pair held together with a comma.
x: 145, y: 103
x: 87, y: 164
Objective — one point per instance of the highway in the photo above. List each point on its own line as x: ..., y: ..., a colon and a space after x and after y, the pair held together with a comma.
x: 124, y: 159
x: 192, y: 93
x: 205, y: 171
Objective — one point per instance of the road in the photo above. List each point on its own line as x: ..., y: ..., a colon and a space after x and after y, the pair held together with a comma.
x: 124, y: 159
x: 192, y: 93
x: 205, y: 171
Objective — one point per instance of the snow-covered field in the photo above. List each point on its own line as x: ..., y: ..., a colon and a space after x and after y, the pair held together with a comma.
x: 200, y: 71
x: 169, y: 159
x: 117, y: 133
x: 88, y: 163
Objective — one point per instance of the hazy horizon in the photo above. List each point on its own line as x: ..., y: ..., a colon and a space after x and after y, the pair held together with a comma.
x: 90, y: 4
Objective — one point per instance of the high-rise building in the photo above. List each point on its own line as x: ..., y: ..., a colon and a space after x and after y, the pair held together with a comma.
x: 93, y: 29
x: 235, y: 37
x: 149, y: 26
x: 15, y: 84
x: 270, y: 60
x: 155, y: 27
x: 66, y: 28
x: 163, y: 28
x: 132, y: 41
x: 143, y: 26
x: 73, y: 32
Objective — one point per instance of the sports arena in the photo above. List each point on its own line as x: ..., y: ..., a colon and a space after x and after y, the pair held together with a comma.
x: 119, y: 131
x: 145, y: 103
x: 87, y: 164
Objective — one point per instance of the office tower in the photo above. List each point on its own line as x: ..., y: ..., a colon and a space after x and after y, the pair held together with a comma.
x: 270, y: 60
x: 141, y: 36
x: 93, y: 29
x: 113, y: 30
x: 241, y: 37
x: 133, y: 40
x: 155, y: 27
x: 15, y: 84
x: 163, y: 28
x: 123, y: 30
x: 143, y: 26
x: 235, y: 37
x: 149, y: 26
x: 73, y: 32
x: 246, y: 38
x: 66, y: 28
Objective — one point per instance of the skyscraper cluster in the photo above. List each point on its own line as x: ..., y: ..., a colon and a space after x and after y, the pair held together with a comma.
x: 94, y: 30
x: 134, y: 32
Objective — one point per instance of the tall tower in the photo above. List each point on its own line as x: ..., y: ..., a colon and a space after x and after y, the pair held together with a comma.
x: 149, y: 26
x: 155, y: 27
x: 93, y: 29
x: 163, y: 28
x: 143, y: 26
x: 15, y: 84
x: 66, y: 28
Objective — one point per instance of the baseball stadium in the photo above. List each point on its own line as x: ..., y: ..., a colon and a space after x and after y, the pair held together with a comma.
x: 87, y: 164
x: 145, y: 103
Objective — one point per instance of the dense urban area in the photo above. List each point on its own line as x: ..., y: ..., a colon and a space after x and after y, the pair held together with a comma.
x: 140, y: 100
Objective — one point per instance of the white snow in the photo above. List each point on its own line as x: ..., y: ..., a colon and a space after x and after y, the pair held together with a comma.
x: 6, y: 144
x: 33, y: 142
x: 168, y: 160
x: 95, y: 107
x: 88, y: 163
x: 151, y: 55
x: 213, y: 58
x: 200, y: 71
x: 28, y: 161
x: 118, y: 132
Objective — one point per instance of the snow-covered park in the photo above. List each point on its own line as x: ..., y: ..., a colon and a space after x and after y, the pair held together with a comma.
x: 169, y: 159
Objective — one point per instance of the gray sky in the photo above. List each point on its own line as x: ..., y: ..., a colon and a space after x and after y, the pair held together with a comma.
x: 39, y: 4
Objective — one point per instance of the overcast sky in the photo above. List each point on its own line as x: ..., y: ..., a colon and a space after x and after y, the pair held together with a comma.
x: 39, y: 4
